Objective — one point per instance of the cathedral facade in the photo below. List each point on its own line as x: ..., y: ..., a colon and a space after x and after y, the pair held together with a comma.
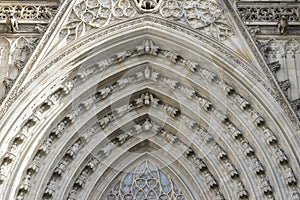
x: 149, y: 99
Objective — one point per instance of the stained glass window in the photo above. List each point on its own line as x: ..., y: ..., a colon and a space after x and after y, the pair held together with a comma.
x: 146, y: 182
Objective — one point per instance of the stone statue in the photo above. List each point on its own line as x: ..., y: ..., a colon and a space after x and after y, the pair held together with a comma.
x: 11, y: 21
x: 282, y: 25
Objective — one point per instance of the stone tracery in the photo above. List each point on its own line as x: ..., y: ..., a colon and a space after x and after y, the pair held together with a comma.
x: 147, y: 74
x: 196, y: 14
x: 146, y: 181
x: 247, y: 149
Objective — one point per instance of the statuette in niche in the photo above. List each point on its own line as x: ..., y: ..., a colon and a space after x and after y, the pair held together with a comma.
x: 190, y: 65
x: 8, y: 83
x: 226, y: 88
x: 122, y: 138
x: 189, y: 92
x: 221, y: 154
x: 50, y: 189
x: 59, y: 129
x: 170, y: 110
x: 210, y: 76
x: 265, y: 185
x: 235, y: 133
x: 187, y: 150
x: 280, y: 156
x: 104, y: 92
x: 269, y: 136
x: 220, y: 116
x: 232, y: 170
x: 147, y: 99
x: 93, y: 163
x: 188, y: 122
x: 171, y: 55
x: 247, y: 149
x: 11, y: 21
x: 122, y: 82
x: 67, y: 87
x: 148, y: 73
x: 72, y: 194
x: 60, y: 169
x: 295, y: 194
x: 26, y: 183
x: 103, y: 122
x: 147, y: 47
x: 242, y: 103
x: 170, y: 83
x: 3, y: 171
x: 121, y: 56
x: 123, y: 110
x: 257, y: 166
x: 205, y: 104
x: 108, y: 148
x: 290, y: 177
x: 73, y: 150
x: 219, y: 195
x: 210, y: 180
x: 242, y: 193
x: 169, y: 136
x: 82, y: 178
x: 256, y: 118
x: 35, y: 165
x: 199, y: 163
x: 282, y: 25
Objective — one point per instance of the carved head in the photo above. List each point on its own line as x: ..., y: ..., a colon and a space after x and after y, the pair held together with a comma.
x: 148, y: 5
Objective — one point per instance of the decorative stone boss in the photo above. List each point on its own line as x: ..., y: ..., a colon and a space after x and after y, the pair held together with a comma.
x: 148, y: 5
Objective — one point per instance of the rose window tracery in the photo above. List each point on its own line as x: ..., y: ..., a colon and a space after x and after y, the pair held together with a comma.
x: 145, y: 182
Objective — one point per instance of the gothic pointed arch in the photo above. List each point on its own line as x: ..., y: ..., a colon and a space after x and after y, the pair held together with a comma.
x: 146, y: 86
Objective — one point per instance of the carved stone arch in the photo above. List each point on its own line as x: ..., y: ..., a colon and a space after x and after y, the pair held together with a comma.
x: 274, y: 48
x: 66, y: 78
x: 292, y: 47
x: 174, y: 170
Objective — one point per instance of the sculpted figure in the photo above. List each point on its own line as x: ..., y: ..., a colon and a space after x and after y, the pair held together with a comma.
x: 11, y: 21
x: 282, y: 25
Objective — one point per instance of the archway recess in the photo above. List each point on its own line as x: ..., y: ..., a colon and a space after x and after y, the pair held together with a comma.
x: 100, y: 103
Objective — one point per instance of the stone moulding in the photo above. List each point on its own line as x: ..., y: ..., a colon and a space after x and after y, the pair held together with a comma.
x: 206, y: 16
x: 148, y: 47
x: 268, y: 13
x: 16, y: 90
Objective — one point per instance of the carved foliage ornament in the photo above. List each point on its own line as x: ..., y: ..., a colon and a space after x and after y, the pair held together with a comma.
x: 198, y: 14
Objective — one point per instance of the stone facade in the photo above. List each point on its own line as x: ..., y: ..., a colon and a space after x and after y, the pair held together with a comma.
x: 149, y: 99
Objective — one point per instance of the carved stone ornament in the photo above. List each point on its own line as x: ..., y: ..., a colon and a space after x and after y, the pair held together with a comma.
x: 90, y: 14
x: 148, y: 5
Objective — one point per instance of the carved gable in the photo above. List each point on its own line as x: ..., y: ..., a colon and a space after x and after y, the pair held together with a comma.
x: 148, y: 99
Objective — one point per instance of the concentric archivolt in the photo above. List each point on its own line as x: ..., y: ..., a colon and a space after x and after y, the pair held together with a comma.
x: 216, y: 144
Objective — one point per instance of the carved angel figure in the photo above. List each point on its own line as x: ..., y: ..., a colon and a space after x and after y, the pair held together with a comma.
x: 11, y: 21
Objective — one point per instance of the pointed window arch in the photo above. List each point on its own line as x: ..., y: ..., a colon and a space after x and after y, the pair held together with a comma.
x: 145, y: 181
